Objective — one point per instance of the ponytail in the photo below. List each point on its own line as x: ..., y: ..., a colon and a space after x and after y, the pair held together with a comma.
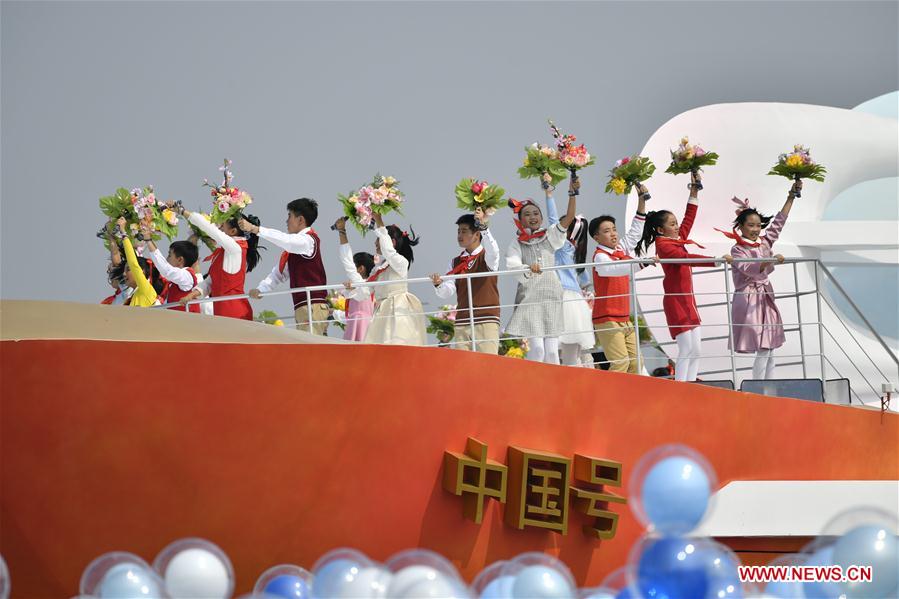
x: 252, y: 240
x: 403, y: 242
x: 654, y: 220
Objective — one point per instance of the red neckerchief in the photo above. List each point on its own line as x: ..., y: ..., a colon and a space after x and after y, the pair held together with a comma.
x: 375, y: 275
x: 739, y: 238
x: 617, y: 254
x: 465, y: 262
x: 678, y: 241
x: 524, y: 236
x: 216, y: 252
x: 108, y: 301
x: 282, y: 262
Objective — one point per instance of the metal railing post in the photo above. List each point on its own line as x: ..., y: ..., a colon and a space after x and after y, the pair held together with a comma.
x: 821, y: 336
x: 309, y: 308
x: 635, y: 312
x: 730, y: 325
x: 799, y: 320
x: 470, y: 314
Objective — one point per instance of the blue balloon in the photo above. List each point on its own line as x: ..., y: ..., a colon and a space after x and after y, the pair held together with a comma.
x: 873, y: 546
x: 672, y: 568
x: 821, y: 590
x: 541, y: 582
x: 498, y: 588
x: 128, y: 581
x: 329, y: 579
x: 675, y: 495
x: 287, y: 586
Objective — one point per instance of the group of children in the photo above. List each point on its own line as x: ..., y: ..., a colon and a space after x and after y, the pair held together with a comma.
x: 552, y: 308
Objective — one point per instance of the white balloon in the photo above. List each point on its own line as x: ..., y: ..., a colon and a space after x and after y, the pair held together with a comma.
x: 421, y: 582
x: 367, y: 583
x: 197, y: 574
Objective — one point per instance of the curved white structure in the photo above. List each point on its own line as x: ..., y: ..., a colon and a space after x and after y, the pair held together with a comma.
x: 855, y: 147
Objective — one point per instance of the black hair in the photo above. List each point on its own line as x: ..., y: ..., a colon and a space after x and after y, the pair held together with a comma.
x: 654, y: 220
x: 746, y: 213
x: 598, y: 221
x: 403, y: 242
x: 187, y: 251
x: 469, y: 221
x: 116, y: 274
x: 366, y: 261
x: 580, y: 243
x: 306, y: 208
x: 252, y: 239
x: 152, y: 274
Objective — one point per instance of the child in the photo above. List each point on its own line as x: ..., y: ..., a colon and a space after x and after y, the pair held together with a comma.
x: 206, y: 308
x: 538, y: 311
x: 175, y: 268
x: 679, y: 303
x: 115, y: 273
x: 612, y: 287
x: 577, y: 335
x: 236, y: 255
x: 480, y: 253
x: 360, y: 303
x: 758, y: 326
x: 301, y: 262
x: 399, y: 317
x: 141, y: 276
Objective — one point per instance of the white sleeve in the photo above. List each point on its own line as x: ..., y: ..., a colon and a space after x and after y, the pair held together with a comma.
x: 295, y: 243
x: 358, y: 292
x: 491, y: 250
x: 513, y: 257
x: 232, y: 259
x: 399, y: 264
x: 612, y: 268
x: 179, y: 276
x: 634, y: 233
x: 204, y: 286
x: 447, y: 287
x: 557, y: 236
x: 274, y: 278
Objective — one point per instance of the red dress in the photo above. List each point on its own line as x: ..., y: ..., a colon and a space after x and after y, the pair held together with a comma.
x: 679, y: 303
x: 223, y: 284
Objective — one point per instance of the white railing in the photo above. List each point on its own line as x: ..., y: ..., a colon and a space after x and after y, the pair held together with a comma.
x: 812, y: 357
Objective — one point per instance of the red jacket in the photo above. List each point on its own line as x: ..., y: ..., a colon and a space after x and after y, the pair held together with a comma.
x: 679, y: 303
x: 223, y: 284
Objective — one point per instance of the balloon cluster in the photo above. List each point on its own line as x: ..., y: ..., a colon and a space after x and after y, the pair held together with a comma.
x: 670, y: 488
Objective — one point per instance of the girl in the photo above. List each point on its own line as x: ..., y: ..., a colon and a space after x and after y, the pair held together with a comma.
x: 236, y: 255
x: 577, y: 333
x: 538, y: 314
x: 141, y: 275
x: 360, y: 303
x: 679, y: 304
x: 398, y: 318
x: 758, y: 326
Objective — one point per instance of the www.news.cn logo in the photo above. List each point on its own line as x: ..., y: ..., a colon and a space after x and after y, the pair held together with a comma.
x: 805, y: 574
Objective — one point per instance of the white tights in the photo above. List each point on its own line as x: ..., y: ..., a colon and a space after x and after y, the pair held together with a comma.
x: 570, y: 353
x: 543, y: 349
x: 689, y: 349
x: 763, y: 366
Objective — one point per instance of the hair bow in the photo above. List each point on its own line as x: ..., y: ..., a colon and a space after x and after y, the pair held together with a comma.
x: 741, y: 204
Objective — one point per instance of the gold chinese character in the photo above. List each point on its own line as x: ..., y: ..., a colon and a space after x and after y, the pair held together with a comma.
x: 538, y: 489
x: 594, y: 502
x: 474, y: 477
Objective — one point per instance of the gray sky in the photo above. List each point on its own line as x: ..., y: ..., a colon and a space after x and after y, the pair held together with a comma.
x: 311, y: 99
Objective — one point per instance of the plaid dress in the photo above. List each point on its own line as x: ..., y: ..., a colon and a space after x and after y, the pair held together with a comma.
x: 538, y: 311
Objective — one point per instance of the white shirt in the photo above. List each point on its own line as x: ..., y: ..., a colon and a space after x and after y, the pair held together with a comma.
x: 179, y: 276
x: 491, y: 256
x: 613, y: 268
x: 232, y: 259
x: 359, y: 292
x: 301, y: 243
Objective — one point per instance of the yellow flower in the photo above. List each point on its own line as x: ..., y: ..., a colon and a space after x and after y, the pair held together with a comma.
x: 278, y: 323
x: 389, y: 180
x: 527, y: 162
x: 478, y: 199
x: 794, y: 160
x: 341, y: 304
x: 170, y: 217
x: 684, y: 140
x: 515, y: 352
x: 618, y: 185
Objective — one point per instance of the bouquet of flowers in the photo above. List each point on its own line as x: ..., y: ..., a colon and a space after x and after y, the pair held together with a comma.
x: 269, y: 317
x: 382, y: 195
x: 798, y: 164
x: 513, y: 348
x: 140, y: 207
x: 543, y: 162
x: 472, y: 194
x: 227, y: 200
x: 689, y: 158
x: 200, y: 234
x: 627, y: 172
x: 571, y: 156
x: 443, y: 324
x: 337, y: 309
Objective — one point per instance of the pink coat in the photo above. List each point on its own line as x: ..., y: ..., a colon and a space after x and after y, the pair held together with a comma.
x: 358, y: 317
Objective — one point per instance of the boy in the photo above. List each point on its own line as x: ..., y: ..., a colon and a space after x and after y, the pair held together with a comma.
x: 176, y: 269
x: 475, y: 257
